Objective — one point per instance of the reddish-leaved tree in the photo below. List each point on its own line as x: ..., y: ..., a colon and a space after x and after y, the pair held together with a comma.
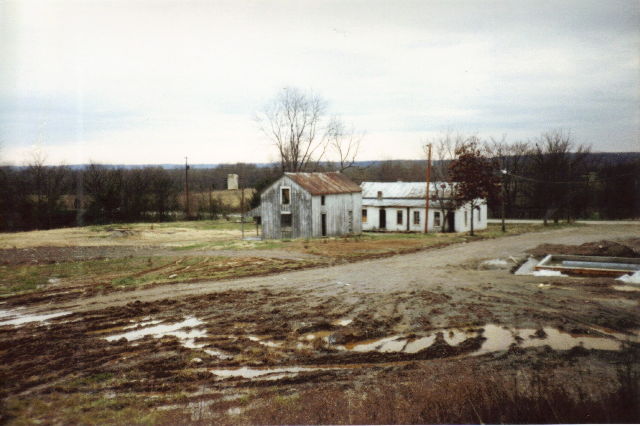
x: 475, y: 175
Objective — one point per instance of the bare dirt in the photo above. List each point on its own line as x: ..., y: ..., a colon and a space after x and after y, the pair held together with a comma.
x: 53, y: 254
x: 307, y: 324
x: 451, y: 269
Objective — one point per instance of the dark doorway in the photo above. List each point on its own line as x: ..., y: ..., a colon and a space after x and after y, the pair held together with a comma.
x: 451, y: 226
x: 324, y: 224
x: 383, y: 219
x: 286, y: 226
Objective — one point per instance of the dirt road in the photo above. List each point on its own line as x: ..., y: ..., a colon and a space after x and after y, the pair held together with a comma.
x: 449, y: 267
x: 584, y: 222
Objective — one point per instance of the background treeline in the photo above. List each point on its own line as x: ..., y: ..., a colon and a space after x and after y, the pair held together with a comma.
x: 576, y: 186
x: 37, y: 196
x: 544, y: 180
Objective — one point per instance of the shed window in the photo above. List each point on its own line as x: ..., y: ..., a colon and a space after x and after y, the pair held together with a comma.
x: 285, y: 195
x: 465, y: 218
x: 379, y: 195
x: 364, y: 215
x: 436, y: 218
x: 416, y: 218
x: 399, y: 217
x: 322, y: 200
x: 285, y: 220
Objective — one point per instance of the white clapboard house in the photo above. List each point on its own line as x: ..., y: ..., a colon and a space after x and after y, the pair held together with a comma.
x: 400, y: 207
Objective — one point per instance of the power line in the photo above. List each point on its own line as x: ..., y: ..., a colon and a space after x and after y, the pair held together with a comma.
x: 575, y: 182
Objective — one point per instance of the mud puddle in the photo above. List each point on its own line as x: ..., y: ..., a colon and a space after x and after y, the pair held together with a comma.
x: 186, y: 337
x: 323, y: 334
x: 144, y: 323
x: 496, y: 338
x: 274, y: 373
x: 15, y: 317
x: 626, y: 288
x: 500, y: 338
x: 387, y: 344
x: 262, y: 341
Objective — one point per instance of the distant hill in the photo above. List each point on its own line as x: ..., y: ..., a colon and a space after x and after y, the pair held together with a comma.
x: 169, y: 166
x: 605, y: 157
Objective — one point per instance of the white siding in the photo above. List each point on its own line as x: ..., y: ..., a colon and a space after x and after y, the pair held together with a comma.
x: 420, y: 226
x: 373, y: 219
x: 479, y: 220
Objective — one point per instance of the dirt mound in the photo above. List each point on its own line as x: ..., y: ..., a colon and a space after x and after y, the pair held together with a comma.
x: 628, y: 248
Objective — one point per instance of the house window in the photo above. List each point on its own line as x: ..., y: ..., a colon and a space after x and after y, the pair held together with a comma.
x: 436, y: 218
x: 322, y: 200
x: 379, y: 195
x: 364, y: 215
x: 479, y: 214
x: 465, y: 218
x: 399, y: 217
x: 285, y: 196
x: 416, y: 218
x: 350, y: 214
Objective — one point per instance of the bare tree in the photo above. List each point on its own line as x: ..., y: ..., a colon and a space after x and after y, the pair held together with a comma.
x: 104, y: 188
x: 444, y: 189
x: 558, y: 166
x: 47, y: 188
x: 512, y: 161
x: 292, y: 121
x: 344, y: 142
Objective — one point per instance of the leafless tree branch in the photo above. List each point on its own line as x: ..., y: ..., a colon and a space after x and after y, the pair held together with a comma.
x: 291, y: 121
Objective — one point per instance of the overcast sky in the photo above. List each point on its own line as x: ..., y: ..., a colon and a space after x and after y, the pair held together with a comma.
x: 152, y: 81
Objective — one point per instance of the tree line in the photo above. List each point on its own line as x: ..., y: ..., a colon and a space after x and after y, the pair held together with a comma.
x: 40, y: 196
x: 548, y: 178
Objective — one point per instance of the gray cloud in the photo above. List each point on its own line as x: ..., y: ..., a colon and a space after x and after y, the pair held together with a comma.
x: 197, y: 71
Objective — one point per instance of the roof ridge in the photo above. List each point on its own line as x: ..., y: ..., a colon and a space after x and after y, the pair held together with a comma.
x: 321, y: 183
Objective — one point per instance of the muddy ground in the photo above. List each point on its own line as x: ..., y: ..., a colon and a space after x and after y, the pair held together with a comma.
x: 230, y: 351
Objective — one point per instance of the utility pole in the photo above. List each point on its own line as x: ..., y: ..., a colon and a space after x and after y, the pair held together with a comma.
x: 211, y: 202
x: 242, y: 206
x: 426, y: 211
x: 186, y: 188
x: 504, y: 174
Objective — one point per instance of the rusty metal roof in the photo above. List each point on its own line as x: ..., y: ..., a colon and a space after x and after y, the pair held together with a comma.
x: 325, y: 183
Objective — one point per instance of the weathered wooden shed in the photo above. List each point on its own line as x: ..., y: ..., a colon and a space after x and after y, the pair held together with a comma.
x: 306, y: 205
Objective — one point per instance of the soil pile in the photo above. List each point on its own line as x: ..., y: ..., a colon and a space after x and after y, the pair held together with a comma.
x: 627, y: 248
